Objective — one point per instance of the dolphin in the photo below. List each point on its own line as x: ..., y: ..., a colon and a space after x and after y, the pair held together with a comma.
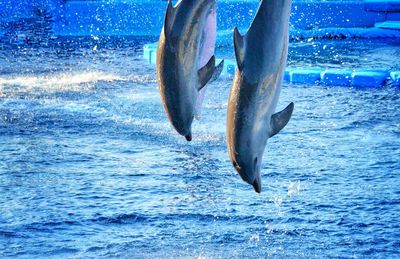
x: 208, y: 49
x: 261, y: 57
x: 178, y: 56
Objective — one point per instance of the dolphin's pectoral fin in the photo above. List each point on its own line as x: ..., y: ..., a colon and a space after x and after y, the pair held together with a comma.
x: 217, y: 71
x: 280, y: 119
x: 238, y: 42
x: 205, y: 73
x: 200, y: 96
x: 169, y: 18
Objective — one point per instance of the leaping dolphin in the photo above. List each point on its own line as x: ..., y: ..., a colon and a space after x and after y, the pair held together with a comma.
x: 178, y: 55
x: 261, y: 57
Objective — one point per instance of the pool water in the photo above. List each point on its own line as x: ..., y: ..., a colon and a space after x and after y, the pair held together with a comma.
x: 90, y: 166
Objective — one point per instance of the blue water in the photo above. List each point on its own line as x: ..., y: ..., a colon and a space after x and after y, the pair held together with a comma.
x: 90, y: 166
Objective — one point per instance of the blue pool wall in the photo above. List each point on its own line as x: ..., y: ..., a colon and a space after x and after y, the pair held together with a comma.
x: 368, y: 18
x: 14, y: 10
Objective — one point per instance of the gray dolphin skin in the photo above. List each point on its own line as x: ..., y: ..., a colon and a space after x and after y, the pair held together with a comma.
x: 178, y: 53
x: 261, y: 57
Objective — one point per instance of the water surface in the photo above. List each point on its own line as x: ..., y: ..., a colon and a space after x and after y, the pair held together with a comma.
x: 90, y: 166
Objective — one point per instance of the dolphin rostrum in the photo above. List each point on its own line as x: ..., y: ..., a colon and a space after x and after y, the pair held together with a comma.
x: 261, y: 57
x: 178, y: 56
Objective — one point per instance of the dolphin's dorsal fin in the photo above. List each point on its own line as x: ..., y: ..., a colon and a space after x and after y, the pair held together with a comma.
x: 169, y: 18
x: 238, y: 42
x: 205, y: 73
x: 280, y: 119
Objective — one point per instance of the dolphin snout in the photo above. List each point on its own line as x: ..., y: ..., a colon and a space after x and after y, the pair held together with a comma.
x: 189, y: 137
x: 250, y: 174
x: 257, y: 183
x: 244, y: 173
x: 257, y: 172
x: 183, y: 127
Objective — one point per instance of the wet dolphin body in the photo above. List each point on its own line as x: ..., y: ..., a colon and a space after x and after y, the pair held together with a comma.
x: 261, y: 57
x: 178, y: 55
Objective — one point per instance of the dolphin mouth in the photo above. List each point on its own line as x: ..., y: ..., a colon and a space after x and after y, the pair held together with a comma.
x: 257, y: 185
x: 188, y: 137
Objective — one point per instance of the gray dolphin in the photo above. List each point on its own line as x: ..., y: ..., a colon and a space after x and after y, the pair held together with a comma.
x: 177, y: 61
x: 261, y: 59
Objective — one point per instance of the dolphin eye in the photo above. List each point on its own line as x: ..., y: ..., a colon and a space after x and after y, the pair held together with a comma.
x: 255, y: 163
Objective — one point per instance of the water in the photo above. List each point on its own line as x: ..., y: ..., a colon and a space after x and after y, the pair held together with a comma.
x: 90, y: 166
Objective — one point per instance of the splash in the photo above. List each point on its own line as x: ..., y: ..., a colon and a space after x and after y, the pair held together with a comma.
x: 293, y: 188
x: 71, y: 81
x: 78, y: 81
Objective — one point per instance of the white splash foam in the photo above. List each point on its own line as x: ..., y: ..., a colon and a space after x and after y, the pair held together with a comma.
x: 78, y: 81
x: 293, y: 188
x: 68, y: 81
x: 255, y: 237
x: 278, y: 200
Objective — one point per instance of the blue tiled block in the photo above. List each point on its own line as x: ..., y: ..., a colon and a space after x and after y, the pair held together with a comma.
x: 394, y: 25
x: 372, y: 78
x: 382, y: 5
x: 336, y: 77
x: 393, y: 16
x: 395, y: 75
x: 229, y: 67
x: 305, y: 75
x: 153, y: 58
x: 147, y: 54
x: 309, y: 75
x: 286, y: 75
